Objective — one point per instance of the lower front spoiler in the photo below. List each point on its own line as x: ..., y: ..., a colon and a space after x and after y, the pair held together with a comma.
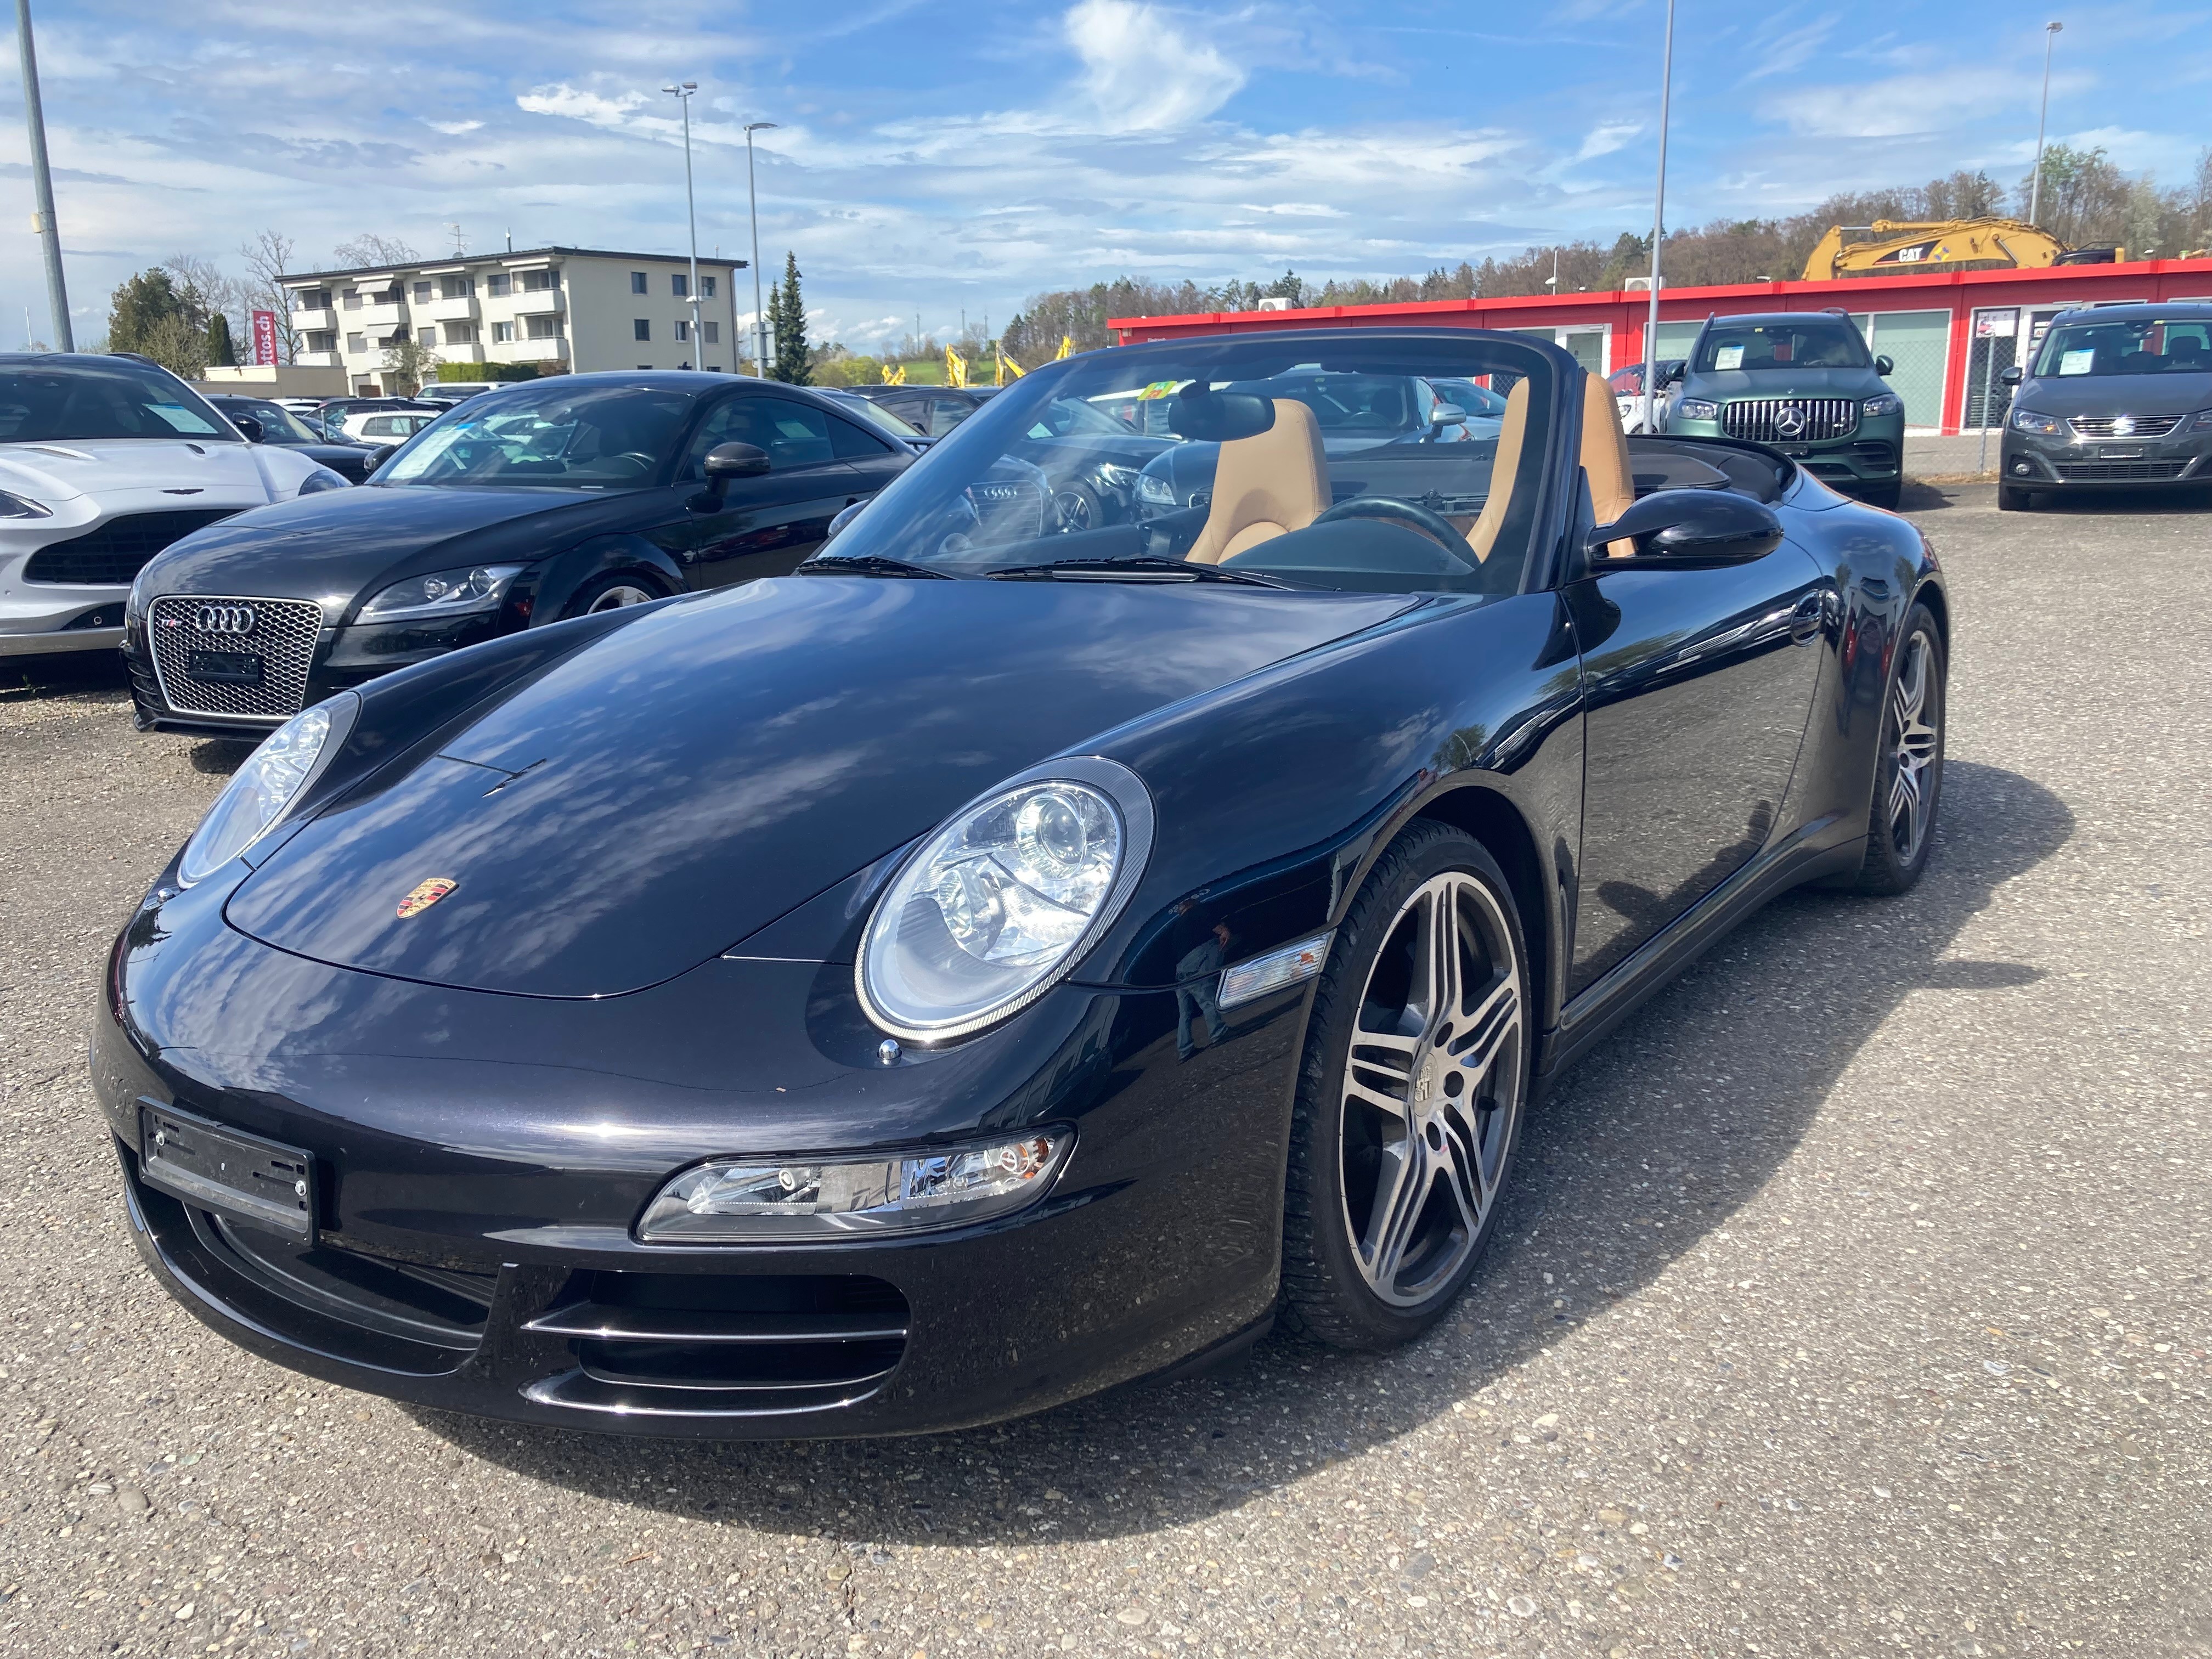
x: 543, y: 1351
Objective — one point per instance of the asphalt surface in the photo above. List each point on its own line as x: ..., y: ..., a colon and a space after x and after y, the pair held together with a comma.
x: 1852, y: 1299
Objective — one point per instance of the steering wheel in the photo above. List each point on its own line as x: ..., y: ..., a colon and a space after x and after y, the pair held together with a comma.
x: 1431, y: 523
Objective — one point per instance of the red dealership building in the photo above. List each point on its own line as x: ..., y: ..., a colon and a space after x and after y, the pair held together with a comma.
x: 1950, y: 334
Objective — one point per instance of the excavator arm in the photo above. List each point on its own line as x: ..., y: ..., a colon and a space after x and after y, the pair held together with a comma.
x: 1890, y: 247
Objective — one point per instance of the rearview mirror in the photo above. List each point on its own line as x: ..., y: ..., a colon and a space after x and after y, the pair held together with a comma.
x: 2010, y: 377
x: 1690, y: 528
x: 1222, y: 417
x: 249, y: 428
x: 1882, y: 366
x: 1447, y: 414
x: 726, y: 462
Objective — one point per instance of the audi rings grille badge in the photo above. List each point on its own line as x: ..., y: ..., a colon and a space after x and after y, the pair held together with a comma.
x: 1789, y: 421
x: 224, y: 619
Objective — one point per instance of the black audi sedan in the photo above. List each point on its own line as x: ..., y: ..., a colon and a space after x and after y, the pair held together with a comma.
x: 2118, y: 397
x: 552, y: 499
x: 260, y: 421
x: 995, y: 962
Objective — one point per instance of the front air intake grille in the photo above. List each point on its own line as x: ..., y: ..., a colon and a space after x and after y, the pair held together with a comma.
x: 2119, y: 471
x: 1791, y: 420
x: 2126, y: 426
x: 691, y: 1344
x: 279, y: 635
x: 113, y: 554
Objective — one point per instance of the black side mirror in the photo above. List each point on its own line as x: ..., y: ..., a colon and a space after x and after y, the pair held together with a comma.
x: 249, y: 428
x: 2011, y: 376
x: 724, y: 463
x: 1669, y: 375
x: 1883, y: 366
x: 1690, y: 528
x: 377, y: 457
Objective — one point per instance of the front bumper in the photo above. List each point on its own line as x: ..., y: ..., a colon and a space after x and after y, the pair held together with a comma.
x: 475, y: 1194
x: 2033, y: 461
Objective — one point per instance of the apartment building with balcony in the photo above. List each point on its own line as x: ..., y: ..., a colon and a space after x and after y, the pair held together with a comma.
x: 561, y: 309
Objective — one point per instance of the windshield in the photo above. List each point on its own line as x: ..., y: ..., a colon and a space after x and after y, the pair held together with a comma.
x: 2183, y: 346
x: 598, y: 437
x: 1317, y: 465
x: 1800, y: 343
x: 279, y: 425
x: 85, y: 398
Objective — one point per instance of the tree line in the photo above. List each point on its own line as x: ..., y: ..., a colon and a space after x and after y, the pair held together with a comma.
x: 2085, y: 200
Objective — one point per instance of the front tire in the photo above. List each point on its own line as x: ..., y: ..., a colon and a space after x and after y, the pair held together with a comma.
x: 614, y: 591
x: 2013, y: 500
x: 1410, y: 1097
x: 1908, y: 775
x: 1885, y: 495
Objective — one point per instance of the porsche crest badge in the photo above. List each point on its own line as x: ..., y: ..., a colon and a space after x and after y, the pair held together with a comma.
x: 426, y: 895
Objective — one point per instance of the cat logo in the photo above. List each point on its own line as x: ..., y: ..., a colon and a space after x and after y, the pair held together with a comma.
x: 427, y: 894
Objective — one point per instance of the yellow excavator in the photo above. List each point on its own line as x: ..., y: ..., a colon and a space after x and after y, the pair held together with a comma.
x: 1891, y: 248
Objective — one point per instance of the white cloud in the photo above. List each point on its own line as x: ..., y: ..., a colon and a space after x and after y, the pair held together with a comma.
x: 453, y: 129
x: 1144, y: 72
x: 1607, y: 137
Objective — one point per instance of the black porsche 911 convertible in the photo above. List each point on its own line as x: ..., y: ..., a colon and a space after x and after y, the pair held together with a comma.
x: 1000, y: 959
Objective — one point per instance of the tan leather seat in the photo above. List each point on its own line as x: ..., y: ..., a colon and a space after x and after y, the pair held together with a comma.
x: 1604, y: 461
x: 1512, y: 433
x: 1265, y: 486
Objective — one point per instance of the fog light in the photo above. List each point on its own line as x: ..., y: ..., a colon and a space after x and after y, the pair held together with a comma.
x: 2023, y: 468
x: 734, y: 1201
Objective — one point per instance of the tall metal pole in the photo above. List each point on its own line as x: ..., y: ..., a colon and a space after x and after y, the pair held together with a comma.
x: 42, y: 182
x: 1658, y: 233
x: 752, y: 206
x: 2042, y: 118
x: 691, y: 212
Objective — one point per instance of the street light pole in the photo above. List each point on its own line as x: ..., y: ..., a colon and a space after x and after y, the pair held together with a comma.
x: 2035, y: 186
x: 684, y: 94
x: 752, y: 206
x: 1658, y: 232
x: 42, y: 182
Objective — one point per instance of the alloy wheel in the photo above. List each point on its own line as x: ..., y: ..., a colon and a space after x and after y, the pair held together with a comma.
x: 1430, y: 1088
x: 615, y: 598
x: 1912, y: 744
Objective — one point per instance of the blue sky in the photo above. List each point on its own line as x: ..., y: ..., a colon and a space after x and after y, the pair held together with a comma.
x: 934, y: 158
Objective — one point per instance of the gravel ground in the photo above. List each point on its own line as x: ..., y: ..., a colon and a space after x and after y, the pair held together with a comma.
x: 1852, y: 1299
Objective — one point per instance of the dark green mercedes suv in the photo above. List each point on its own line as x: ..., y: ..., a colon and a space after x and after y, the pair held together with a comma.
x: 1802, y: 382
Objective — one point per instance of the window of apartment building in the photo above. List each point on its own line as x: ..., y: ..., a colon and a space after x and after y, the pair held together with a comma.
x: 356, y: 343
x: 456, y: 288
x: 642, y: 329
x: 422, y: 291
x: 311, y: 299
x: 707, y: 288
x: 390, y: 296
x: 428, y: 334
x: 711, y: 333
x: 683, y: 330
x: 501, y: 331
x: 638, y: 283
x: 322, y: 339
x: 538, y: 281
x: 544, y: 328
x: 353, y: 298
x: 680, y: 286
x: 461, y: 333
x: 498, y: 284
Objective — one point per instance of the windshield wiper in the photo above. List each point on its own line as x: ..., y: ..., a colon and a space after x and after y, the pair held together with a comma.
x: 866, y: 564
x: 1153, y: 566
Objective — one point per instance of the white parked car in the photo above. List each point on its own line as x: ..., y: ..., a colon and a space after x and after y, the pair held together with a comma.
x: 105, y: 461
x: 375, y: 427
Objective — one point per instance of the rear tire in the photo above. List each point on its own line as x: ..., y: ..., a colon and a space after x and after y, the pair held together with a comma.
x: 1410, y: 1095
x: 1908, y: 774
x: 613, y: 592
x: 2015, y: 501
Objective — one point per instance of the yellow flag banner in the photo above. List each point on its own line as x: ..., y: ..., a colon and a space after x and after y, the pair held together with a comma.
x: 894, y: 374
x: 956, y: 367
x: 1066, y: 346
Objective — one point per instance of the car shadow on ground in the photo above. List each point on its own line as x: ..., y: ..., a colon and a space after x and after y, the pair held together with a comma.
x: 1652, y: 1143
x: 2110, y: 504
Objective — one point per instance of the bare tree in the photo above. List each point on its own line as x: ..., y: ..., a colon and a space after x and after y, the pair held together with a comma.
x: 370, y: 249
x: 218, y: 292
x: 268, y: 257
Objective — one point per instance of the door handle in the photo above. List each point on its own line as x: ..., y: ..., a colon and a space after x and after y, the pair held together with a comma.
x: 1805, y: 620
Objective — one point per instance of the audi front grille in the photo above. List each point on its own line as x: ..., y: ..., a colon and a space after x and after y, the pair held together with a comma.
x: 112, y: 555
x: 2126, y: 426
x: 280, y: 632
x: 1791, y: 420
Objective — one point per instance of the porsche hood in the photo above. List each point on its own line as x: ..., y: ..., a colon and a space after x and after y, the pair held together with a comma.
x: 652, y: 800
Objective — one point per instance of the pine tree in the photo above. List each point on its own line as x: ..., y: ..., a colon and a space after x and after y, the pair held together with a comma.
x: 219, y: 348
x: 786, y: 318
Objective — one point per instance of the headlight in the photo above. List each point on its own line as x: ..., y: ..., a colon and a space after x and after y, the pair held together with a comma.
x: 1697, y: 409
x: 446, y: 593
x: 1119, y: 477
x: 2027, y: 420
x: 1887, y: 403
x: 735, y: 1199
x: 18, y: 506
x: 1153, y: 489
x: 320, y: 479
x: 2203, y: 422
x: 260, y: 791
x: 1002, y: 900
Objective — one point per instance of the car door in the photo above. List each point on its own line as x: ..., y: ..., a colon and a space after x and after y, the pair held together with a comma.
x: 765, y: 525
x: 1697, y: 685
